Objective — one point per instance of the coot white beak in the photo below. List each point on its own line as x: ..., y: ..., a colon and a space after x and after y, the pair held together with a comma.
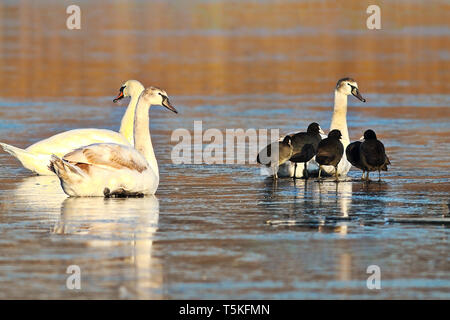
x: 321, y: 131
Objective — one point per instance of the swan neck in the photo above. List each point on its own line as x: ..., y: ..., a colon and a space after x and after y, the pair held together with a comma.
x: 127, y: 124
x: 142, y: 139
x: 339, y: 119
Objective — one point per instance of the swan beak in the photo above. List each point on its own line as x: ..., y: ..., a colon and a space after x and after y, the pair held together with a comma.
x: 120, y: 95
x: 355, y: 92
x: 166, y: 103
x: 321, y: 131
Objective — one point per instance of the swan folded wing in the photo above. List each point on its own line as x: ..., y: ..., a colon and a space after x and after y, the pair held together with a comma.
x: 107, y: 155
x: 64, y: 142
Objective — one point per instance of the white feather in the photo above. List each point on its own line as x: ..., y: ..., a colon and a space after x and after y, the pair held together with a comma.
x: 37, y: 156
x: 105, y: 169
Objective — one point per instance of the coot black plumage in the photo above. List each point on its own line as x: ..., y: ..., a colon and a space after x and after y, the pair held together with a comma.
x: 373, y: 155
x: 272, y: 159
x: 353, y: 156
x: 305, y: 146
x: 330, y: 151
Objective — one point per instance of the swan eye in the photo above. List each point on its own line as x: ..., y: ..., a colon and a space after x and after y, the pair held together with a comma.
x: 122, y: 88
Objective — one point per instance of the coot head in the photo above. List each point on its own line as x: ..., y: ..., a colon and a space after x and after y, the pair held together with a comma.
x: 287, y: 140
x: 335, y: 134
x: 314, y: 128
x: 369, y: 134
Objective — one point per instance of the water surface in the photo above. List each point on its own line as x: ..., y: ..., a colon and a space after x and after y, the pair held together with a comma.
x: 246, y: 64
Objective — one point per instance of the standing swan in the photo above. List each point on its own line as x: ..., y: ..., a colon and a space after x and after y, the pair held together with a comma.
x: 110, y: 169
x: 344, y: 88
x: 37, y: 156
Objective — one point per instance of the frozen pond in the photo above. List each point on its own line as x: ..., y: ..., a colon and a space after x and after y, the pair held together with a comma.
x: 206, y: 233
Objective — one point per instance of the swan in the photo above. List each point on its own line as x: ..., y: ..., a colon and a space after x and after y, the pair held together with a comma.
x: 37, y: 156
x: 344, y: 88
x: 111, y: 169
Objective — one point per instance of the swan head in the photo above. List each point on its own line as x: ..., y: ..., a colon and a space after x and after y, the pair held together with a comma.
x: 129, y: 89
x: 348, y: 86
x: 157, y: 96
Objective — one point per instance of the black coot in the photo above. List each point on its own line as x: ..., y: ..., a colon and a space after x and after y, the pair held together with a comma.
x: 373, y: 155
x: 353, y: 156
x: 330, y: 151
x: 269, y: 157
x: 305, y: 146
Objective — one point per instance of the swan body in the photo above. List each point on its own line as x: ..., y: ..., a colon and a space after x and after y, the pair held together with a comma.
x: 105, y: 169
x: 110, y: 169
x: 37, y: 157
x: 344, y: 88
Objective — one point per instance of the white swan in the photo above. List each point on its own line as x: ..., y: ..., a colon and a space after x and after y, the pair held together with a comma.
x: 344, y: 88
x: 110, y: 169
x: 37, y: 156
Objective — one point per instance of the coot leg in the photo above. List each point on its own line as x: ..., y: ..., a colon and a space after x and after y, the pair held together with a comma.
x: 305, y: 171
x: 336, y: 174
x: 295, y: 170
x: 274, y: 172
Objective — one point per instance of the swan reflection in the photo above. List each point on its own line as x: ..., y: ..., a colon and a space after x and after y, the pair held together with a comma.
x: 315, y: 197
x: 38, y: 194
x: 330, y: 197
x: 126, y: 227
x: 304, y: 202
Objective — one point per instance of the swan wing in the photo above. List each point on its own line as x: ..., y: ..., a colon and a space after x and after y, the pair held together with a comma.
x: 62, y: 143
x: 108, y: 155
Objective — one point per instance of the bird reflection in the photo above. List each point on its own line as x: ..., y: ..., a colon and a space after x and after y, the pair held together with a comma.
x: 323, y: 206
x: 329, y: 197
x: 40, y: 194
x: 372, y: 197
x: 126, y: 225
